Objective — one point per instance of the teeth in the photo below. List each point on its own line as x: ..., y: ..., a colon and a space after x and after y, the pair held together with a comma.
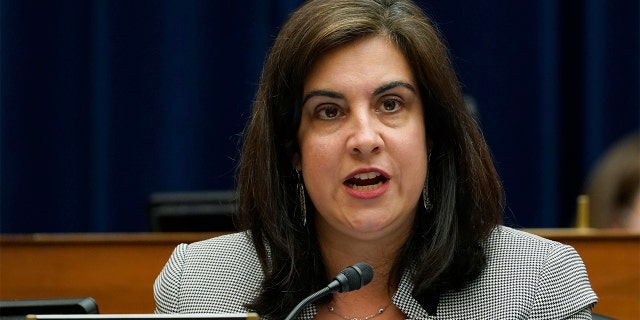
x: 367, y: 187
x: 368, y: 175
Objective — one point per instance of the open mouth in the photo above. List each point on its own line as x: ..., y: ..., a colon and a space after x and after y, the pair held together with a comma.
x: 366, y: 181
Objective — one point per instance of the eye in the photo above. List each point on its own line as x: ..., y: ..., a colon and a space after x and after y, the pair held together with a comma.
x: 328, y: 112
x: 390, y: 105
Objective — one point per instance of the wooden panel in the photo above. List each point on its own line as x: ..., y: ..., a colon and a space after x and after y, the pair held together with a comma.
x: 118, y: 270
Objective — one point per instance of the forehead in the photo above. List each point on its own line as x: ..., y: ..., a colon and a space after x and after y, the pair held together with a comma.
x: 367, y: 61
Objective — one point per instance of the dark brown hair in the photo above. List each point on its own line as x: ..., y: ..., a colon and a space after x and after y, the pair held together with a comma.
x: 445, y: 246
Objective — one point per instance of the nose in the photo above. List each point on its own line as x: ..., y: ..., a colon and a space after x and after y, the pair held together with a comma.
x: 365, y: 137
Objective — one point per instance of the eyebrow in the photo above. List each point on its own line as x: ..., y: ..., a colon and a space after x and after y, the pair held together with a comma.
x: 336, y: 95
x: 392, y: 85
x: 322, y: 93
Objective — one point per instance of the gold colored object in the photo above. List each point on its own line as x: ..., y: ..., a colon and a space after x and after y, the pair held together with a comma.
x: 582, y: 211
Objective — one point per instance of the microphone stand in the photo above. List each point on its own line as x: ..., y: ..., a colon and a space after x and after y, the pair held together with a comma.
x: 319, y: 294
x: 349, y: 279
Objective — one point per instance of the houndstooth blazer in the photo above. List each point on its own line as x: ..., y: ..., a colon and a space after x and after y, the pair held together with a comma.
x: 527, y: 277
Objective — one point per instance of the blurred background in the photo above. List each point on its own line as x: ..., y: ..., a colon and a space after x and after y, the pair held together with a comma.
x: 104, y: 103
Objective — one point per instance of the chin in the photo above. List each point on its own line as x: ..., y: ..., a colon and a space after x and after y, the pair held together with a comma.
x: 369, y: 227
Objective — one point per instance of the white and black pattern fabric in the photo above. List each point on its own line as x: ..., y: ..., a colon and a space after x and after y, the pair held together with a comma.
x: 527, y: 277
x: 218, y: 275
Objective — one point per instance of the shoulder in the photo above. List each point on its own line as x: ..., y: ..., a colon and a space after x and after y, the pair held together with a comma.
x: 211, y: 276
x: 221, y: 260
x: 508, y: 238
x: 562, y: 287
x: 232, y: 245
x: 510, y: 246
x: 215, y: 254
x: 527, y: 276
x: 528, y: 254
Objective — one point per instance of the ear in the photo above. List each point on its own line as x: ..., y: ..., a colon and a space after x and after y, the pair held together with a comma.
x: 296, y: 161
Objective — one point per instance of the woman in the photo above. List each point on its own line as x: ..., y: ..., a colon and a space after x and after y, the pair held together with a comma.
x: 360, y: 148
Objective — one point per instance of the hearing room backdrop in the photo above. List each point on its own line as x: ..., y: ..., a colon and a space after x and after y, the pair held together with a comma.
x: 104, y: 102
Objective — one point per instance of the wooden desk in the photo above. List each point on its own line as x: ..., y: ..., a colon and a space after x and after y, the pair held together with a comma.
x: 118, y: 270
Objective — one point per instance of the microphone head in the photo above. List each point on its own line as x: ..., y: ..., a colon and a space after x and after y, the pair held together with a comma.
x: 353, y: 277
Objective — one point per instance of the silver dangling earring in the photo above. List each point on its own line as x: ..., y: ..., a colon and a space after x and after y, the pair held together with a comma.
x: 425, y: 199
x: 303, y: 206
x: 425, y: 190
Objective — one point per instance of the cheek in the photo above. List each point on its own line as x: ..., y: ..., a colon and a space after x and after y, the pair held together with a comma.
x: 319, y: 162
x: 412, y: 153
x: 318, y: 154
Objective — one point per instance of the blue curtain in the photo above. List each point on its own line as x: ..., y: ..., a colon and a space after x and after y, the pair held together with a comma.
x: 105, y: 102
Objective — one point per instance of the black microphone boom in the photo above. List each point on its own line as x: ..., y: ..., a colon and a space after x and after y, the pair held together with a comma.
x: 349, y: 279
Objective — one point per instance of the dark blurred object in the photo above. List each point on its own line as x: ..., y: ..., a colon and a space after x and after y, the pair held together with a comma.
x: 613, y: 186
x: 200, y: 211
x: 18, y: 309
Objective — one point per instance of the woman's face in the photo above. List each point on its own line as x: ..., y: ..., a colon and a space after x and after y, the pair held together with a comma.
x: 362, y: 140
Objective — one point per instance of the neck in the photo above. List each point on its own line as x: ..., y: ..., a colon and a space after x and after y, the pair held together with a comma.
x: 341, y: 250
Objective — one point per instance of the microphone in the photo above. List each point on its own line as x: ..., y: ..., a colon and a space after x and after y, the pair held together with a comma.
x: 349, y: 279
